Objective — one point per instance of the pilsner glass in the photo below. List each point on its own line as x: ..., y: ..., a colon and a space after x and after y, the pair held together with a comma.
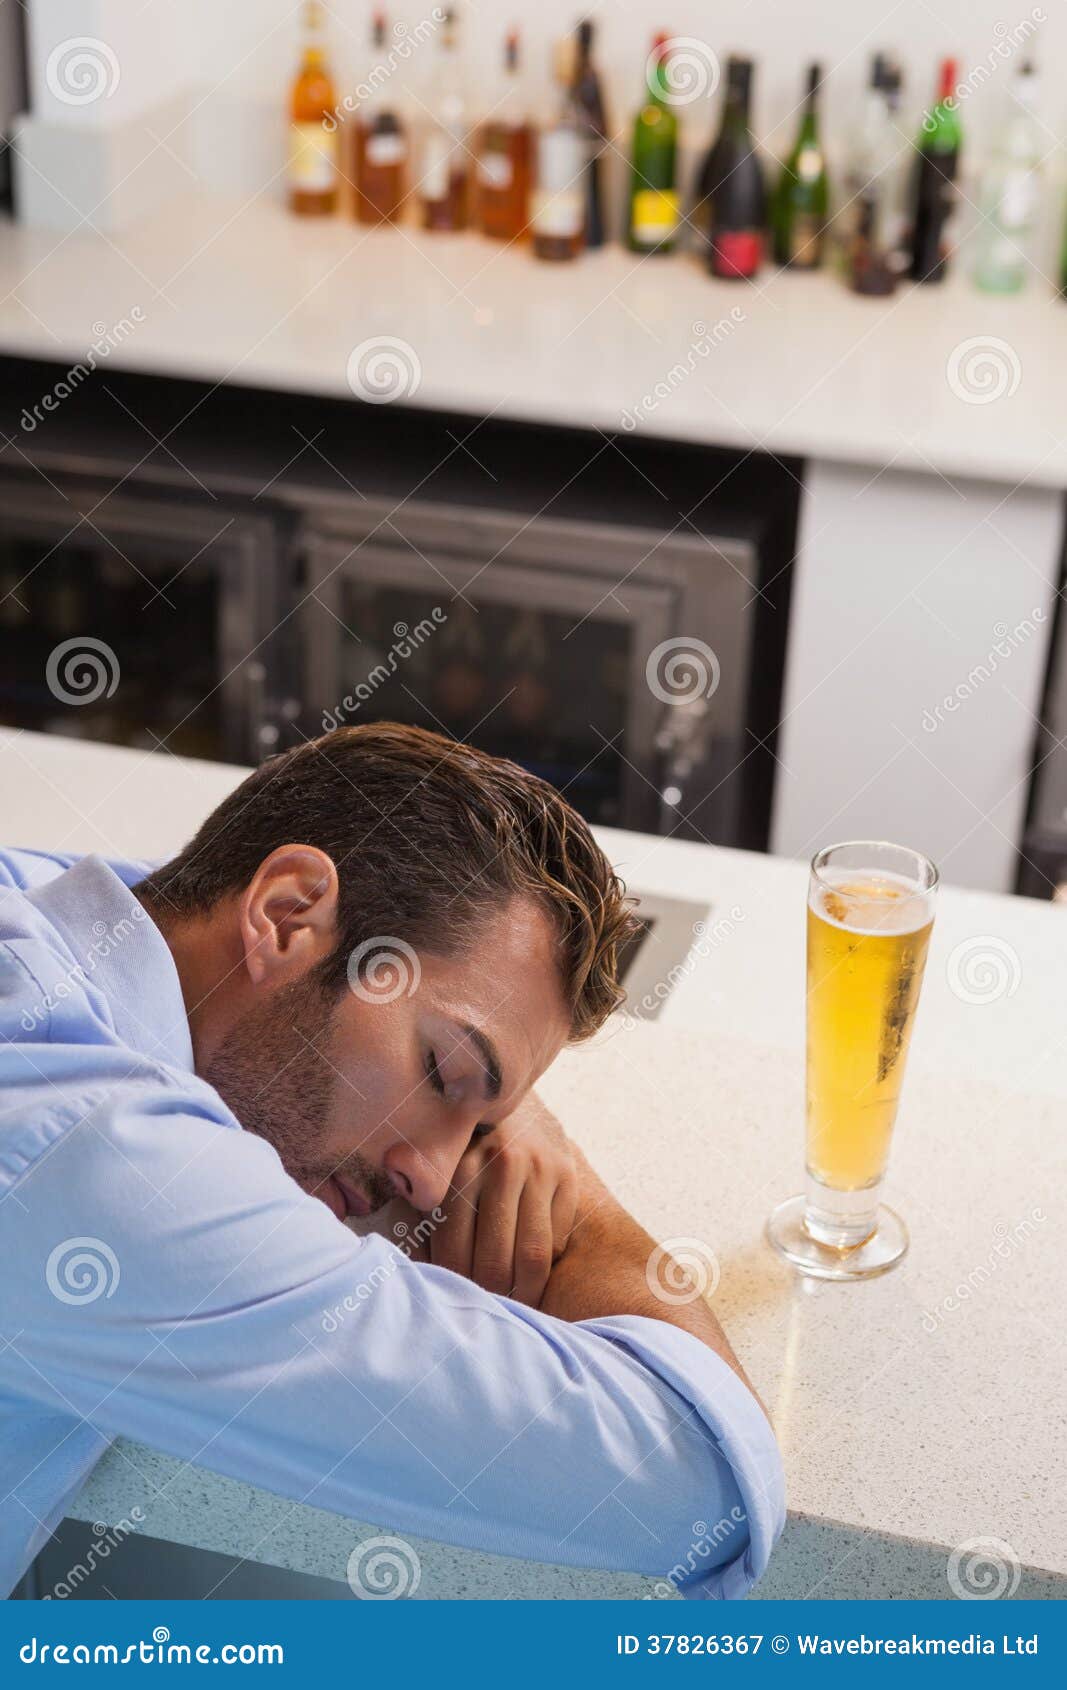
x: 870, y: 911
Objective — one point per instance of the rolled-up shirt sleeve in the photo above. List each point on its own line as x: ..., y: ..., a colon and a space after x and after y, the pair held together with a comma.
x: 247, y: 1330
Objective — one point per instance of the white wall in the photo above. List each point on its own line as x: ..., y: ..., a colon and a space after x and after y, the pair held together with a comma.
x: 251, y: 42
x: 229, y: 65
x: 246, y: 47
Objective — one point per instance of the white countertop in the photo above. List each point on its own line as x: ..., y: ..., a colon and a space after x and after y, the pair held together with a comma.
x: 242, y: 292
x: 916, y: 1413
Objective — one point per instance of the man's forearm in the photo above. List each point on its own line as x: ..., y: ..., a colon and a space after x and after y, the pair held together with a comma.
x: 603, y: 1272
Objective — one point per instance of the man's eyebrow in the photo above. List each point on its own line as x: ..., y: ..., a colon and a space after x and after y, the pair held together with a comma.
x: 494, y: 1079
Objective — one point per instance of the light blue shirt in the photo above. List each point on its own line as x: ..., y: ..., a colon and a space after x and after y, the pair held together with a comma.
x: 164, y: 1279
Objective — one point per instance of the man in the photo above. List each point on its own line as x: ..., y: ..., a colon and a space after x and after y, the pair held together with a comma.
x: 340, y: 995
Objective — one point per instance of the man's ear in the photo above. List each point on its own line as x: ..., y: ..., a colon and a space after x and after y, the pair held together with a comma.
x: 288, y: 914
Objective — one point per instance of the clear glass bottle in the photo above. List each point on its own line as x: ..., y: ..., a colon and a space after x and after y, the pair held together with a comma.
x: 1010, y: 193
x: 559, y: 203
x: 444, y: 175
x: 868, y: 232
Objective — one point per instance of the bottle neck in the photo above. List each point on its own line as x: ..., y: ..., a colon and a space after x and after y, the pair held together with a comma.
x: 658, y: 86
x: 735, y: 116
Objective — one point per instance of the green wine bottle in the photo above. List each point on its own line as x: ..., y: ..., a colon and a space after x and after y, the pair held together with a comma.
x: 801, y: 201
x: 652, y: 223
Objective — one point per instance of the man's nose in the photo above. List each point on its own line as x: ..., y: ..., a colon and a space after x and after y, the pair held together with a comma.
x: 423, y: 1173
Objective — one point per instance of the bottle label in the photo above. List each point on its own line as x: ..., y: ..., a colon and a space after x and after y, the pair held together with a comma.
x: 384, y: 150
x: 436, y: 166
x: 736, y: 252
x: 805, y: 242
x: 655, y: 215
x: 1018, y: 200
x: 494, y: 169
x: 559, y: 216
x: 562, y: 156
x: 312, y: 157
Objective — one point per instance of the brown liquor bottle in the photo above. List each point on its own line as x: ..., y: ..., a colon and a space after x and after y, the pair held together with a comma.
x: 379, y: 167
x: 504, y: 157
x: 312, y: 173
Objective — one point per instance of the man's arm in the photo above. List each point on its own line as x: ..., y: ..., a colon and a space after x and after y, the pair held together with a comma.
x: 605, y: 1271
x: 250, y: 1331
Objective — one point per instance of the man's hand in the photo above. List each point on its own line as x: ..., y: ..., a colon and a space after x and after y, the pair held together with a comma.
x: 511, y: 1206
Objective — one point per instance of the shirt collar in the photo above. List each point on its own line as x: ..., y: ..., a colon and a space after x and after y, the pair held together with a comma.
x: 124, y: 955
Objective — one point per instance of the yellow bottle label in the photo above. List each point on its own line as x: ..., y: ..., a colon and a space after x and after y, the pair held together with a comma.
x: 312, y: 157
x: 655, y: 214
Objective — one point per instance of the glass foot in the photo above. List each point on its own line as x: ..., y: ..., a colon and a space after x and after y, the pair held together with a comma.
x: 790, y: 1239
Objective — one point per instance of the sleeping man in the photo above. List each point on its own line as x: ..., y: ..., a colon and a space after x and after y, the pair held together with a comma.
x: 341, y: 995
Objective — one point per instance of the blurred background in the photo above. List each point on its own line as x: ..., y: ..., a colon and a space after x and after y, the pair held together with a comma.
x: 670, y: 400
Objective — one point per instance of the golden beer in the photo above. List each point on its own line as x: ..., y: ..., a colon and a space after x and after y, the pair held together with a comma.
x: 870, y: 912
x: 867, y: 943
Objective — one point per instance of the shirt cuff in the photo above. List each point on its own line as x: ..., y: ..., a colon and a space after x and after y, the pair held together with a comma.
x: 738, y: 1427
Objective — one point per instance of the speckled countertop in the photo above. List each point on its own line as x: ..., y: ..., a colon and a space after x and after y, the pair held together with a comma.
x: 921, y: 1415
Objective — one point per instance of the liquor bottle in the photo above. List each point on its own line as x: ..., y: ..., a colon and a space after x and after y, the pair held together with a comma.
x: 312, y: 174
x: 653, y: 212
x: 1010, y: 192
x: 444, y: 184
x: 868, y: 232
x: 731, y: 205
x: 932, y: 194
x: 802, y: 198
x: 504, y: 156
x: 379, y: 167
x: 589, y: 101
x: 560, y: 201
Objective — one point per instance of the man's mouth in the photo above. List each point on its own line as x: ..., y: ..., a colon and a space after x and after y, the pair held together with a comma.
x: 345, y: 1199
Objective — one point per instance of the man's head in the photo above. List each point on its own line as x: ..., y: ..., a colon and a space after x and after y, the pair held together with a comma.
x: 384, y: 939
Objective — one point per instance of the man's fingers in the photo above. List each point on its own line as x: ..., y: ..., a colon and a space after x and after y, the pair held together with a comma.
x: 498, y: 1217
x: 533, y: 1246
x: 452, y: 1243
x: 564, y: 1210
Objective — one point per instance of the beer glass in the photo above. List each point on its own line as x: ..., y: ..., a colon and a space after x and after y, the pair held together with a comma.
x: 870, y: 911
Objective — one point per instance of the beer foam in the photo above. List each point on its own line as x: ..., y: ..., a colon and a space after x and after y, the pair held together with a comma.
x: 872, y: 902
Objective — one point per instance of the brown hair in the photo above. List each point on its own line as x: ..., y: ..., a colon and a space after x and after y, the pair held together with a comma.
x: 428, y: 836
